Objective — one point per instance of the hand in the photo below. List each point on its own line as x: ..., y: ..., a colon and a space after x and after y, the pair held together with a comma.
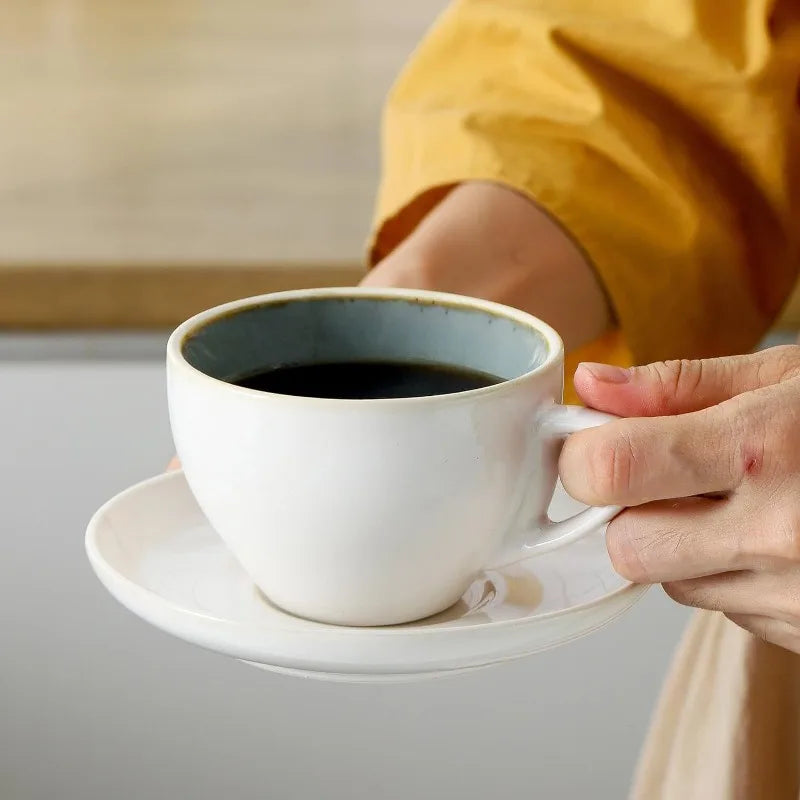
x: 488, y: 241
x: 711, y: 468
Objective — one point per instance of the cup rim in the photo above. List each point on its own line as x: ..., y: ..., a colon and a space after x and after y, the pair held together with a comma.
x: 177, y: 360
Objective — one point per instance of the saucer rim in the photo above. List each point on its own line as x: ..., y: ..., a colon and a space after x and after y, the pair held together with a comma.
x: 101, y: 565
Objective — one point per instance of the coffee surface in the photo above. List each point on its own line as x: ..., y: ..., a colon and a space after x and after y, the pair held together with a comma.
x: 367, y: 380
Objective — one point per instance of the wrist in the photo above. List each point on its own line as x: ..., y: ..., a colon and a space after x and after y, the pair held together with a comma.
x: 490, y: 241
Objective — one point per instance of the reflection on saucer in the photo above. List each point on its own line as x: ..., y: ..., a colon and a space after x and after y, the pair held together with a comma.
x: 522, y: 591
x: 158, y: 555
x: 491, y: 597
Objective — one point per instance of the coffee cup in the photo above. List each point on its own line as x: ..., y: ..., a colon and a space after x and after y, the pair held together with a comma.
x: 364, y: 453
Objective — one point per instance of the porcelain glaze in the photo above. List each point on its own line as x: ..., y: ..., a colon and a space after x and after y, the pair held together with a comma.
x: 372, y: 512
x: 154, y: 550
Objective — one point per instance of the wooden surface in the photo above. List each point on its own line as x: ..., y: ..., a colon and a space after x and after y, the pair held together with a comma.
x: 148, y: 145
x: 144, y: 296
x: 160, y: 156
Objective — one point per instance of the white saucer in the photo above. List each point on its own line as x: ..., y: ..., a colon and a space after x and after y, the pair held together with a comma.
x: 155, y: 552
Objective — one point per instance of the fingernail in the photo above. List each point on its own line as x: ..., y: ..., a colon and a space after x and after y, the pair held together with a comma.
x: 606, y: 373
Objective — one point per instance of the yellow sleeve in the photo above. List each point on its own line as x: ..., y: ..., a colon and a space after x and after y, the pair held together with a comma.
x: 665, y: 136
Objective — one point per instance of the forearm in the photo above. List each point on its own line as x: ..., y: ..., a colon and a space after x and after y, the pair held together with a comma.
x: 488, y: 241
x: 664, y: 149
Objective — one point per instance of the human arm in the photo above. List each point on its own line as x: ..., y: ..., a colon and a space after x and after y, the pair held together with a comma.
x: 658, y: 135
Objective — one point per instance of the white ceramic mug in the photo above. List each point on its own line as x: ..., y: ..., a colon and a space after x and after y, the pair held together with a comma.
x: 373, y: 512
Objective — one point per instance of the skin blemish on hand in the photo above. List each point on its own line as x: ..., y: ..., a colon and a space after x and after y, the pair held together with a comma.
x: 751, y: 464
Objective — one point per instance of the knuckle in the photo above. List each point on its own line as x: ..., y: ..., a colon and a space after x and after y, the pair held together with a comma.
x: 684, y: 593
x: 625, y: 556
x: 672, y: 379
x: 676, y: 378
x: 688, y: 376
x: 612, y: 461
x: 688, y: 594
x: 622, y: 562
x: 678, y: 591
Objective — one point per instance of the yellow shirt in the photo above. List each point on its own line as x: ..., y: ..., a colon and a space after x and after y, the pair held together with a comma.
x: 665, y: 136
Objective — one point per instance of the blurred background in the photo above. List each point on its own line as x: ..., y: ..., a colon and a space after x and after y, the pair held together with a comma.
x: 158, y: 157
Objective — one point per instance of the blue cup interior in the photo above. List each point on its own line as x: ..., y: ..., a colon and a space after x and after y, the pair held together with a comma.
x: 319, y: 330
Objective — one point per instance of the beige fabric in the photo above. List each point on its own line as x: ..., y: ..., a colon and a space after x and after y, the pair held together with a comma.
x: 727, y: 726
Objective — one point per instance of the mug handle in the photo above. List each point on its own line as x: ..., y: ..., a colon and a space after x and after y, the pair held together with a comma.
x: 557, y: 424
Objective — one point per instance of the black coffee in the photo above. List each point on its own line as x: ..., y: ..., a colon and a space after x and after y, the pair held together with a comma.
x: 367, y: 380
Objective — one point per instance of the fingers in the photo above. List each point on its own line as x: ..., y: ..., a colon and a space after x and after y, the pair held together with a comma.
x: 679, y: 387
x: 676, y: 540
x: 765, y: 604
x: 743, y: 593
x: 636, y: 461
x: 775, y: 631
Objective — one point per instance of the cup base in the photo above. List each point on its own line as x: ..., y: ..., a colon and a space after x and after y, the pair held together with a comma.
x: 368, y: 619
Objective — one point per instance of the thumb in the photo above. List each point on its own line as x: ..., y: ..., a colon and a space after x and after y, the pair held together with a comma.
x: 679, y: 387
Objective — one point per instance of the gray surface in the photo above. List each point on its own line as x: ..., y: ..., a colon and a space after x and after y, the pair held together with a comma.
x: 82, y: 346
x: 94, y: 704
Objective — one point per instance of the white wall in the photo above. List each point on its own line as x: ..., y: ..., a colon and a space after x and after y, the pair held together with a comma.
x: 94, y: 704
